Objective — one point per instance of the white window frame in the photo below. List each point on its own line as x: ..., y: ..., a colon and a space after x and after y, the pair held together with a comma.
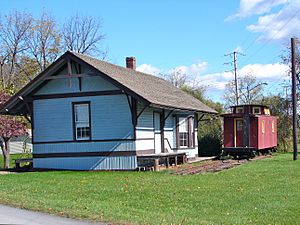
x: 82, y: 128
x: 186, y: 134
x: 256, y: 107
x: 239, y: 108
x: 183, y: 135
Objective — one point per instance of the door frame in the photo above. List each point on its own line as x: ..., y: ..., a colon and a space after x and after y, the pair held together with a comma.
x: 234, y: 127
x: 161, y: 131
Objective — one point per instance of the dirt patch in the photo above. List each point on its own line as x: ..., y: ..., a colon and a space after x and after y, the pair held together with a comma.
x: 211, y: 166
x: 5, y: 172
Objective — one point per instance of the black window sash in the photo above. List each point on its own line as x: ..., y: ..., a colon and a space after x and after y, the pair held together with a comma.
x: 74, y: 119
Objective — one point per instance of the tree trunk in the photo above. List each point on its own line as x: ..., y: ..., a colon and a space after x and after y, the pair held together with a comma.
x: 6, y: 153
x: 6, y: 161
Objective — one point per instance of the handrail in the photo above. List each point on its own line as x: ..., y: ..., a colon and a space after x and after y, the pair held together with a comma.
x: 166, y: 139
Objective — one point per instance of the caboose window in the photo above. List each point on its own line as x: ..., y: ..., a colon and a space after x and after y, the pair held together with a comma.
x: 239, y: 125
x: 263, y: 126
x: 273, y: 126
x: 256, y: 110
x: 239, y: 110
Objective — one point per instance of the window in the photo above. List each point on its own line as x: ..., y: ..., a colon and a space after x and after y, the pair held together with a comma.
x: 256, y: 110
x: 185, y: 132
x: 239, y: 125
x: 273, y: 126
x: 267, y: 111
x: 263, y: 126
x: 82, y: 127
x: 239, y: 110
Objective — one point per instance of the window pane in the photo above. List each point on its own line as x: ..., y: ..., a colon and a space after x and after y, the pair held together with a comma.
x: 183, y: 124
x: 239, y: 125
x: 82, y: 124
x: 239, y: 110
x: 183, y: 142
x: 82, y: 113
x: 256, y: 110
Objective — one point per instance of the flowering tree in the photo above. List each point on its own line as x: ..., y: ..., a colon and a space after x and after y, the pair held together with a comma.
x: 9, y: 127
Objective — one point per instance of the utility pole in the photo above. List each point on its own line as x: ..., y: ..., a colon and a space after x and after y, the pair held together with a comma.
x: 235, y: 77
x: 234, y: 63
x: 294, y: 98
x: 286, y: 98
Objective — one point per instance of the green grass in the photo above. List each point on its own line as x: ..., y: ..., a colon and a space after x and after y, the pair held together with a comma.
x: 261, y: 192
x: 12, y: 159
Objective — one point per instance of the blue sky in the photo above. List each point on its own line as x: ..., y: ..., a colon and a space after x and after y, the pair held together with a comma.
x: 191, y: 36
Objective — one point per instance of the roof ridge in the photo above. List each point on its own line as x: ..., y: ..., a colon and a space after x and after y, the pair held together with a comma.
x: 121, y: 67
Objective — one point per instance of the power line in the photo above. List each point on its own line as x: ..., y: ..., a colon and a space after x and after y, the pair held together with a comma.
x: 256, y: 37
x: 234, y: 63
x: 275, y: 34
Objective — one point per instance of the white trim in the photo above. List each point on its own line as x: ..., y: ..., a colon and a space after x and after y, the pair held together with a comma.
x: 256, y: 107
x: 239, y: 108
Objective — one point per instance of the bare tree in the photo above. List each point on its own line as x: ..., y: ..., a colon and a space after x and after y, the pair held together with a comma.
x: 14, y: 30
x: 176, y: 77
x: 286, y: 59
x: 28, y: 45
x: 83, y: 34
x: 44, y: 41
x: 250, y: 91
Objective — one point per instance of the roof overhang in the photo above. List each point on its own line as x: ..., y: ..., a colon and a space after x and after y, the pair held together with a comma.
x: 182, y: 109
x: 20, y: 103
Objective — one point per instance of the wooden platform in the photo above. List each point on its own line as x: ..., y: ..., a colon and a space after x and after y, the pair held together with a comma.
x: 153, y: 161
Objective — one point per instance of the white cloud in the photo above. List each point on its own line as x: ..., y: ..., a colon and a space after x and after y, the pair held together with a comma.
x: 263, y: 72
x: 147, y: 68
x: 281, y: 25
x: 191, y: 70
x: 277, y: 19
x: 238, y: 49
x: 216, y: 82
x: 256, y: 7
x: 268, y: 72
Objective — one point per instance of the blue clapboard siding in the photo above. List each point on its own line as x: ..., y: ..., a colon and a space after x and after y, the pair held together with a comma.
x: 145, y: 129
x: 145, y: 120
x: 87, y: 163
x: 52, y: 120
x: 170, y: 131
x: 96, y: 84
x: 59, y: 86
x: 85, y: 147
x: 110, y: 118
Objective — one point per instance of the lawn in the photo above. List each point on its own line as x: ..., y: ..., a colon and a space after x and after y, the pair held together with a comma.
x: 12, y: 159
x: 261, y: 192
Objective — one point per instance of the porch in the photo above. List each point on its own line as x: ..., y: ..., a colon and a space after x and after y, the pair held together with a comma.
x: 156, y: 160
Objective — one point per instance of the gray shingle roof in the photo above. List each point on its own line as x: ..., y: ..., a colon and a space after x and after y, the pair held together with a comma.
x: 154, y: 89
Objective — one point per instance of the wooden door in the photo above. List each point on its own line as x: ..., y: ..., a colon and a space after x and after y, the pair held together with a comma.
x: 238, y: 132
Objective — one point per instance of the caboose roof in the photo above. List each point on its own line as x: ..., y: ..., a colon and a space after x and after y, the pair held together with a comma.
x: 255, y: 105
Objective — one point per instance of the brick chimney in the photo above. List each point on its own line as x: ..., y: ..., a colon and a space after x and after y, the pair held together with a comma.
x: 131, y: 63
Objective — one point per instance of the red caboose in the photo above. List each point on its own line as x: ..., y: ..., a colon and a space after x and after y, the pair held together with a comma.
x: 249, y: 129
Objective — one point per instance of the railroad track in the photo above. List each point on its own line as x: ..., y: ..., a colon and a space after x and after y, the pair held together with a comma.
x: 212, y: 166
